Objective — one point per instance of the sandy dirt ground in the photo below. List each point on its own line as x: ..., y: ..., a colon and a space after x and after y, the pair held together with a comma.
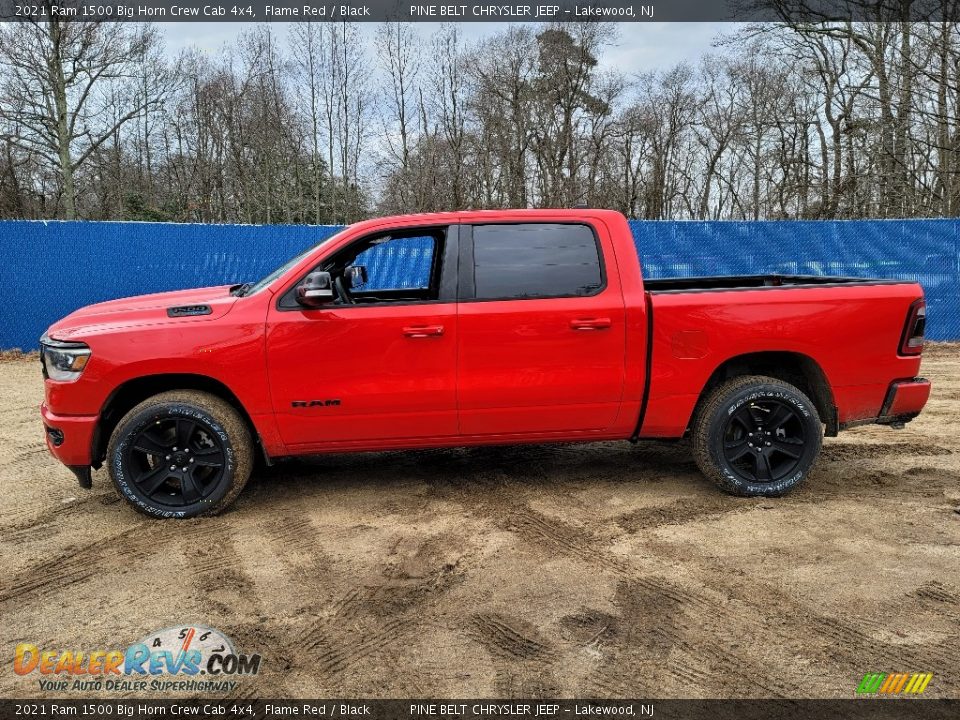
x: 601, y: 570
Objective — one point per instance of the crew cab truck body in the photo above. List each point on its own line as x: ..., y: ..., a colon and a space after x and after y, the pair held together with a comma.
x: 467, y: 328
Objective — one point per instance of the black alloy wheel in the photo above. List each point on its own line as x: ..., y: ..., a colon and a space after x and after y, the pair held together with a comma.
x: 756, y: 436
x: 764, y: 440
x: 176, y: 461
x: 181, y: 454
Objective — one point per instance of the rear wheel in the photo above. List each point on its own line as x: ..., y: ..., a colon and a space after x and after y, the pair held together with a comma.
x: 180, y: 454
x: 757, y: 435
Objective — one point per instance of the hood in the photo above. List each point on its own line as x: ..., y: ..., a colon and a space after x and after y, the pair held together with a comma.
x: 201, y: 304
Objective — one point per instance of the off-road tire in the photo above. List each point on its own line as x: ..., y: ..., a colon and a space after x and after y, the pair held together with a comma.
x: 213, y: 415
x: 714, y: 422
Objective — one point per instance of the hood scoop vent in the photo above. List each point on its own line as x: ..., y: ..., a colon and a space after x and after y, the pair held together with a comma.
x: 188, y: 310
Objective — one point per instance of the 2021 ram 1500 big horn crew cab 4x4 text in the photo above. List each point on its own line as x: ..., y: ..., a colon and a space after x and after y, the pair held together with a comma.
x: 472, y: 328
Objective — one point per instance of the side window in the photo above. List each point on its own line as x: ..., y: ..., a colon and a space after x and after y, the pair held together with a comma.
x: 398, y: 263
x: 535, y: 260
x: 399, y: 266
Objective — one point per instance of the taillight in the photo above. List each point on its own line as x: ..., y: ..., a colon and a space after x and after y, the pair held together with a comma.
x: 912, y: 341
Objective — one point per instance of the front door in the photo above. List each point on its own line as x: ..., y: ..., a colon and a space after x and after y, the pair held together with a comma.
x: 542, y: 330
x: 377, y: 362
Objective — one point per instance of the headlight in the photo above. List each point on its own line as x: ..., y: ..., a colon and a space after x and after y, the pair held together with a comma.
x: 63, y: 361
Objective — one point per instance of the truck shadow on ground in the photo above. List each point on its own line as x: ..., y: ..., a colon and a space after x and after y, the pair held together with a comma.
x: 666, y: 468
x: 556, y: 467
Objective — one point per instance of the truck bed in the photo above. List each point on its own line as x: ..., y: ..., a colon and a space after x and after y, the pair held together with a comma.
x: 748, y: 282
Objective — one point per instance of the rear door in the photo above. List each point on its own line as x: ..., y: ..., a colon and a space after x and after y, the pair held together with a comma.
x: 541, y: 329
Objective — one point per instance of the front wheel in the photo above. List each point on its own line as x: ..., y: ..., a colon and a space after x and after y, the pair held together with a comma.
x: 180, y: 454
x: 757, y: 435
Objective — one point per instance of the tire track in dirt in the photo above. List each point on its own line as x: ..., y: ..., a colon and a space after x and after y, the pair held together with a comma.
x: 654, y: 624
x: 47, y: 514
x: 217, y: 570
x: 840, y: 451
x: 18, y: 410
x: 341, y: 646
x: 350, y: 605
x: 509, y: 637
x: 527, y: 680
x: 581, y: 544
x: 297, y: 543
x: 76, y: 565
x: 874, y: 484
x: 335, y: 658
x: 730, y: 668
x: 681, y: 512
x: 29, y: 454
x: 794, y: 619
x: 937, y: 593
x: 862, y: 648
x: 371, y: 618
x: 537, y: 529
x: 695, y: 676
x: 46, y: 509
x: 733, y: 673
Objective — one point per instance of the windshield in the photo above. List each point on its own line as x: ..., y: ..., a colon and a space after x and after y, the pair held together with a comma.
x: 248, y: 289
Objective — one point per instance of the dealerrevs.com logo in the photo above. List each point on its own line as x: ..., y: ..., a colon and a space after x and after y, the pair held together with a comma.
x: 190, y: 658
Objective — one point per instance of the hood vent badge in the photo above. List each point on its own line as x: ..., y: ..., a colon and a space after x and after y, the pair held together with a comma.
x: 188, y: 310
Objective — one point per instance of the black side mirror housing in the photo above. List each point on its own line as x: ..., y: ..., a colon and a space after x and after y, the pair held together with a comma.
x: 315, y: 289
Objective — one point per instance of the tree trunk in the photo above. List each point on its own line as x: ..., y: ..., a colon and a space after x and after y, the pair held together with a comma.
x: 55, y: 68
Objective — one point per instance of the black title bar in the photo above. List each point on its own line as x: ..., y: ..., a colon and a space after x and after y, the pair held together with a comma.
x: 459, y: 11
x: 491, y: 709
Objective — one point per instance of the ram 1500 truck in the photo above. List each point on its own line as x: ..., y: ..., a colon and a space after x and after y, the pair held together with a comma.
x: 469, y: 328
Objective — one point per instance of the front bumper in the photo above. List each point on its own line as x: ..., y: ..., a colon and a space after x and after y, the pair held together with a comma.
x: 904, y: 401
x: 70, y: 440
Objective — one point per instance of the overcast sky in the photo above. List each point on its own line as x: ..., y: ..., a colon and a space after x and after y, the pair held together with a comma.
x: 641, y: 47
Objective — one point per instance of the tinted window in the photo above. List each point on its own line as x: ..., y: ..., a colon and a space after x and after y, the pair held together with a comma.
x: 398, y: 264
x: 535, y: 260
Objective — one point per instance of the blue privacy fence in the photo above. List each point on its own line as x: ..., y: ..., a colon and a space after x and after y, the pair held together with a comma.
x: 48, y: 269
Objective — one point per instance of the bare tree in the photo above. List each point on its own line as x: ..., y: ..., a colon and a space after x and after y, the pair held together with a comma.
x: 311, y: 63
x: 62, y: 79
x: 820, y: 119
x: 398, y: 49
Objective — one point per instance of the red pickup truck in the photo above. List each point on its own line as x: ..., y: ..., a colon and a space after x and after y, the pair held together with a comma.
x: 511, y: 326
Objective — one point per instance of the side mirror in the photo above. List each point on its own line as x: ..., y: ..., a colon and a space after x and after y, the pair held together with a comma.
x: 315, y: 289
x: 356, y: 276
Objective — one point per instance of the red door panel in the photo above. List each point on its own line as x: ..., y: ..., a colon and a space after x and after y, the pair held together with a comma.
x: 363, y: 373
x: 530, y: 366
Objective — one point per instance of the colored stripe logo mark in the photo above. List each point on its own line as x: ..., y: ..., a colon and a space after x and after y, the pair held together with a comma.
x: 894, y: 683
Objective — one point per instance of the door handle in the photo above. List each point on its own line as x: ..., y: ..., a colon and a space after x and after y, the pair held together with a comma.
x: 423, y: 331
x: 591, y: 324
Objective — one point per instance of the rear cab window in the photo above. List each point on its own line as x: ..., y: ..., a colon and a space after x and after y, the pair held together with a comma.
x: 535, y: 260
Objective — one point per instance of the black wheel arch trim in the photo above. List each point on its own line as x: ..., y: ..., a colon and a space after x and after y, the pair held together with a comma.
x: 759, y: 363
x: 131, y: 392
